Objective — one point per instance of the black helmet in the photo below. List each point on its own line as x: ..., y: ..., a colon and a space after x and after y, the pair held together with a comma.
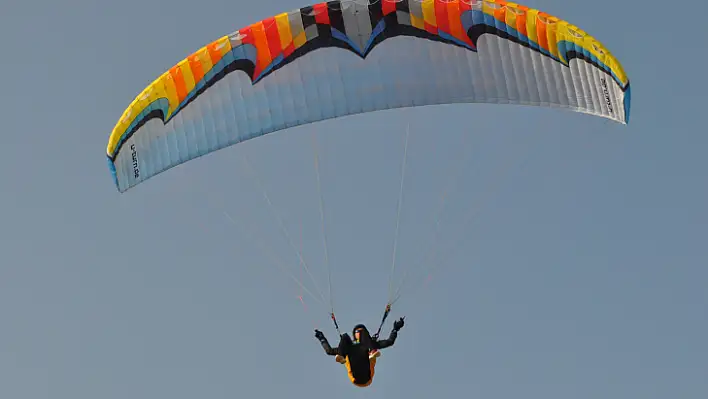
x: 360, y: 327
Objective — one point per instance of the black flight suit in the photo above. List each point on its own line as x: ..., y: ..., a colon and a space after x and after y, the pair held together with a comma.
x: 359, y: 365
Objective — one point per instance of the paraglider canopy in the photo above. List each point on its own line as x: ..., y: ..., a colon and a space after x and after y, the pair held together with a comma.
x: 346, y: 57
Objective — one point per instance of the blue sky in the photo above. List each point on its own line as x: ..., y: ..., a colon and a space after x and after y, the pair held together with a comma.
x: 581, y: 275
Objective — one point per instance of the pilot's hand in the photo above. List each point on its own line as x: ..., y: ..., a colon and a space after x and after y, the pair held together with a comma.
x: 398, y: 324
x: 319, y: 335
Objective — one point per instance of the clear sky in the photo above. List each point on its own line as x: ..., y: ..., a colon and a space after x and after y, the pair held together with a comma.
x: 583, y: 273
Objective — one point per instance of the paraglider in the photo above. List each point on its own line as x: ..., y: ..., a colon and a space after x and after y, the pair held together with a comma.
x: 346, y: 57
x: 359, y: 355
x: 340, y: 58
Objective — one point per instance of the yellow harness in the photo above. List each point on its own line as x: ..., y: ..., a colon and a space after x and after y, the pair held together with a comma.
x: 372, y: 367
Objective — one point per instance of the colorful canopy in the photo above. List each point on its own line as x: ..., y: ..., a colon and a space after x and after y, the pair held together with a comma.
x: 347, y: 57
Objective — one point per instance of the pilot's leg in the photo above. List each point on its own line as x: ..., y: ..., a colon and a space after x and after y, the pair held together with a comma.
x: 345, y: 345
